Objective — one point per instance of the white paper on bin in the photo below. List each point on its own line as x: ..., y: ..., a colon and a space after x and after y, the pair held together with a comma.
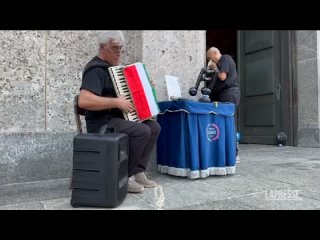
x: 173, y: 87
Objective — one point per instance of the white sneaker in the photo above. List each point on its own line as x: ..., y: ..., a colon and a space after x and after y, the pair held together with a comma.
x: 238, y: 159
x: 142, y: 179
x: 134, y: 187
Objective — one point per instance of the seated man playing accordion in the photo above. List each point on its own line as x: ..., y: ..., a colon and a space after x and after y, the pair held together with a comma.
x: 106, y: 104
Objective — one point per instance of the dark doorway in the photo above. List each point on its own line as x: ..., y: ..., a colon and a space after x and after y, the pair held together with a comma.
x: 264, y: 64
x: 260, y: 86
x: 224, y: 40
x: 266, y: 86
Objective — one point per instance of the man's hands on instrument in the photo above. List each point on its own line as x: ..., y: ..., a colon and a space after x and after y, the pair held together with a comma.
x: 125, y: 105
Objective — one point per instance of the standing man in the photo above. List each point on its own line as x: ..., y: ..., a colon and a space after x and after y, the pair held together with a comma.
x: 227, y: 87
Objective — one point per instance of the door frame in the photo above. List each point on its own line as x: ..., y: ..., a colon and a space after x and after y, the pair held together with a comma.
x: 289, y: 86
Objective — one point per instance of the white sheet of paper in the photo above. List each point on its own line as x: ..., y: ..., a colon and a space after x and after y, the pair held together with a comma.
x: 173, y: 87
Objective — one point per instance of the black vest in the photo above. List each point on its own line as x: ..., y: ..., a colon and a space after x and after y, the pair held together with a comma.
x: 95, y: 62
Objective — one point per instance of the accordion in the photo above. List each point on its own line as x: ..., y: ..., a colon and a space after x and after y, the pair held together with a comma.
x: 133, y: 83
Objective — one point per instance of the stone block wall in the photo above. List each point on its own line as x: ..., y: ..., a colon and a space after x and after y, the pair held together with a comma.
x: 40, y: 74
x: 308, y: 88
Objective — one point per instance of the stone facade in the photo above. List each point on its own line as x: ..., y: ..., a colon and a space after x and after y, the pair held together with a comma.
x: 41, y: 72
x: 40, y: 75
x: 178, y: 53
x: 308, y: 88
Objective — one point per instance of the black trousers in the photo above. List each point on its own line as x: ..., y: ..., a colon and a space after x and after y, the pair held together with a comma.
x: 142, y: 141
x: 231, y: 95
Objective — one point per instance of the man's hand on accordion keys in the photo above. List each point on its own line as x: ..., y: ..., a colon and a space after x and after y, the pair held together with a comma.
x: 125, y: 104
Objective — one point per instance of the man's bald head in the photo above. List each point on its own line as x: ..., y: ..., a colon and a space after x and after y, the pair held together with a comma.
x: 214, y: 54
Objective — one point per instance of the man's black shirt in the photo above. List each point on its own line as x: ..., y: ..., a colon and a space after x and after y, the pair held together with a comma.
x: 226, y: 64
x: 97, y: 80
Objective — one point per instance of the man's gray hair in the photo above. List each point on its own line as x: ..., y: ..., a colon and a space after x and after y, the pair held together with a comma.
x: 107, y: 36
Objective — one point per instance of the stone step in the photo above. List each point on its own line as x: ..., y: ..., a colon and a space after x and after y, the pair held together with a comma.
x: 29, y: 157
x: 30, y: 192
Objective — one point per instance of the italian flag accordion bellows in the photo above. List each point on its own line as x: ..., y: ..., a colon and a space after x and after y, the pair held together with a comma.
x: 133, y: 82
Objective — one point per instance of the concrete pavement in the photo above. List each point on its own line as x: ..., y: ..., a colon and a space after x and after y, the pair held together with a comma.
x: 268, y: 177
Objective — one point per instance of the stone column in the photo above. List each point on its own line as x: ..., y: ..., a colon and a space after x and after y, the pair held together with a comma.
x: 308, y: 88
x: 177, y: 53
x: 39, y: 76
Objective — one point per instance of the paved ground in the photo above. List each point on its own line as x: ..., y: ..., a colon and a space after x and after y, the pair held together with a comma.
x: 268, y: 177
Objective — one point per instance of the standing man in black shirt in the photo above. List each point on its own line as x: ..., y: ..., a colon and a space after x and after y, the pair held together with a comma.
x: 226, y: 88
x: 98, y: 97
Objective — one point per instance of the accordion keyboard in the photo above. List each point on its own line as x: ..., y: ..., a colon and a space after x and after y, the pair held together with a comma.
x: 121, y: 87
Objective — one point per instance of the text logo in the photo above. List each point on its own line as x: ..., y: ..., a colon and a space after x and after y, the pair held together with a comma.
x: 283, y: 195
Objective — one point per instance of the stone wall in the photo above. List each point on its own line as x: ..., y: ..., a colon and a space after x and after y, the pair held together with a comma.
x: 308, y: 85
x: 177, y: 53
x: 40, y: 74
x: 39, y: 77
